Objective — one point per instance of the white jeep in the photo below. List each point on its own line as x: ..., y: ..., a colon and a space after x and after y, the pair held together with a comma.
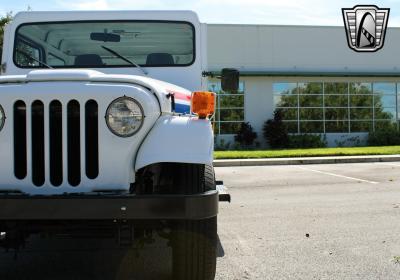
x: 100, y: 127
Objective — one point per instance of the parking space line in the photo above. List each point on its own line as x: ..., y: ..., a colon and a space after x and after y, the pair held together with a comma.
x: 337, y: 175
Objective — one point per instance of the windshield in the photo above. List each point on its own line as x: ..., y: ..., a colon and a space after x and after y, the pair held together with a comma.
x: 81, y: 44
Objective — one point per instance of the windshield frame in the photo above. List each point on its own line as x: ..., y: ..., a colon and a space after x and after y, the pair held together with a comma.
x: 18, y: 36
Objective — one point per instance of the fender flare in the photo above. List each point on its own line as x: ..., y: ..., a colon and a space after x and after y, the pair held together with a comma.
x: 183, y: 139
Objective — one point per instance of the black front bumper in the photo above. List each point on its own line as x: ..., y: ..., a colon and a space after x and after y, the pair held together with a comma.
x: 108, y: 207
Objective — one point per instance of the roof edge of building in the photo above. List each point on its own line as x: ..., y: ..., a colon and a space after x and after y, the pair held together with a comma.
x: 275, y: 73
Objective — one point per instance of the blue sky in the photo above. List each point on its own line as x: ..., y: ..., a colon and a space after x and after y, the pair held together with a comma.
x: 297, y: 12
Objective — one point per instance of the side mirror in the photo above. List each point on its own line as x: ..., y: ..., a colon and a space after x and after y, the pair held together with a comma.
x: 230, y: 79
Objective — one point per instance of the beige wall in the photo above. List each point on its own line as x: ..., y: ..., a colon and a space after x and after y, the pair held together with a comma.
x: 315, y: 48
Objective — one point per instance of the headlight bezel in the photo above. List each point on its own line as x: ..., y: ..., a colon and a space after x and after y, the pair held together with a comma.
x: 108, y: 114
x: 3, y: 119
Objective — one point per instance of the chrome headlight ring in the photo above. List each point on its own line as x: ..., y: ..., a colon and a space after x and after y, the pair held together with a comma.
x: 124, y: 116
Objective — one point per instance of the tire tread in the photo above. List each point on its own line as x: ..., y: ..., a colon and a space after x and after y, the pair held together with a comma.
x: 195, y: 242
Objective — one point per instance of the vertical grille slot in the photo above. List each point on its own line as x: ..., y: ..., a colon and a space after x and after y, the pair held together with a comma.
x: 74, y: 143
x: 38, y: 167
x: 20, y: 155
x: 49, y: 137
x: 92, y: 141
x: 56, y: 159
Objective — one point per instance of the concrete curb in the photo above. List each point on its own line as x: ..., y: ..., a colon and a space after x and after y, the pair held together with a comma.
x: 305, y: 160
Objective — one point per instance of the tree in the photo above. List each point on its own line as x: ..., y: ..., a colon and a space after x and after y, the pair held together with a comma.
x: 245, y: 136
x: 275, y: 131
x: 3, y: 21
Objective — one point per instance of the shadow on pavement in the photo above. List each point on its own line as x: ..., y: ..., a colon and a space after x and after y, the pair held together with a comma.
x: 53, y: 259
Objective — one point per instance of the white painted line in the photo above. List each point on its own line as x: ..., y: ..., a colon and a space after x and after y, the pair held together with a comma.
x: 337, y: 175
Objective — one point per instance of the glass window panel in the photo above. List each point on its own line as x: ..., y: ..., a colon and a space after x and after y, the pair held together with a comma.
x: 217, y: 116
x: 284, y: 88
x: 361, y: 100
x: 360, y: 88
x: 292, y: 127
x: 25, y: 52
x: 54, y: 60
x: 231, y: 101
x: 230, y: 108
x: 231, y: 114
x: 311, y: 114
x: 384, y: 88
x: 230, y: 128
x: 361, y: 113
x: 310, y: 88
x: 285, y: 100
x: 385, y: 100
x: 289, y: 113
x: 360, y: 126
x: 385, y: 125
x: 216, y: 87
x: 135, y: 40
x: 336, y: 114
x: 311, y: 127
x: 336, y: 126
x: 385, y: 113
x: 336, y: 101
x: 367, y: 101
x: 336, y: 88
x: 216, y: 127
x: 311, y: 100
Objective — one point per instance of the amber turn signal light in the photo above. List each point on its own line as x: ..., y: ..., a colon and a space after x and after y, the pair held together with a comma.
x: 203, y: 103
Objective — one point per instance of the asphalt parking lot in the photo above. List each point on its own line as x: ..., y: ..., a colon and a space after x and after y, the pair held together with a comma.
x: 285, y: 222
x: 350, y: 213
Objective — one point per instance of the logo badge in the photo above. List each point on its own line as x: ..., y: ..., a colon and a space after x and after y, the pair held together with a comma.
x: 365, y: 27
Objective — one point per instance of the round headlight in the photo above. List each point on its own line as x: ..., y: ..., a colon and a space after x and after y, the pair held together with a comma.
x: 124, y: 116
x: 2, y: 118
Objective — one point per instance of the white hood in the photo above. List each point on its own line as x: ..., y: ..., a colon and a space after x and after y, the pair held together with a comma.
x: 159, y: 88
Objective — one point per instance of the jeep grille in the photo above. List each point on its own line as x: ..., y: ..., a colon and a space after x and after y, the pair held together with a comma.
x: 38, y: 135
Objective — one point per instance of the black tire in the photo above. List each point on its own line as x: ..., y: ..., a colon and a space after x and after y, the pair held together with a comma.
x: 194, y: 244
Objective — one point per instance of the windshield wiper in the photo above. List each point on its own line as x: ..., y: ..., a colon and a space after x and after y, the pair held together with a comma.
x: 34, y: 59
x: 125, y: 59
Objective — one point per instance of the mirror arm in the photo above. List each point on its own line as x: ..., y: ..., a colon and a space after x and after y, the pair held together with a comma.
x: 209, y: 74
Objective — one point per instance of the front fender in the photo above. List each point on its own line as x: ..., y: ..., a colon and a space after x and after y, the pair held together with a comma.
x: 177, y: 139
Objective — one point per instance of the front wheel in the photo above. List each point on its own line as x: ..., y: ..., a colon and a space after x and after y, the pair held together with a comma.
x: 194, y: 246
x: 193, y: 243
x: 194, y: 250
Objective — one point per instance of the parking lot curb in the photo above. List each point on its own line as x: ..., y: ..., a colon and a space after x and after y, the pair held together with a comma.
x: 305, y: 160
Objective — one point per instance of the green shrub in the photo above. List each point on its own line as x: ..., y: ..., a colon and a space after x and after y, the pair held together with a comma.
x: 221, y: 145
x: 275, y: 131
x: 245, y: 135
x: 299, y: 141
x: 389, y: 137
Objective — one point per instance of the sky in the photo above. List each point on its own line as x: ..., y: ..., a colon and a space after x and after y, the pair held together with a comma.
x: 279, y: 12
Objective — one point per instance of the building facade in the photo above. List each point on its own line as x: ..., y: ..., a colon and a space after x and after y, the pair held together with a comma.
x: 321, y: 85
